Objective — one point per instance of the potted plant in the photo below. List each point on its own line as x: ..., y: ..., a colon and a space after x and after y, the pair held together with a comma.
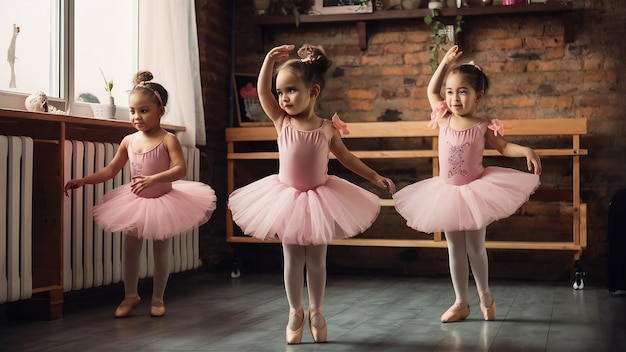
x: 106, y: 111
x: 262, y: 6
x: 108, y: 86
x: 441, y: 34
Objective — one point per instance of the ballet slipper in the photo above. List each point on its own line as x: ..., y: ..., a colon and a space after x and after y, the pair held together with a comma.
x: 157, y: 308
x: 489, y: 313
x: 127, y: 305
x: 319, y: 334
x: 454, y: 314
x: 294, y: 337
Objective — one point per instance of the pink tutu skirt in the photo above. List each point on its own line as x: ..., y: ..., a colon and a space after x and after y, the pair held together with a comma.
x: 432, y: 205
x: 267, y: 208
x: 187, y: 205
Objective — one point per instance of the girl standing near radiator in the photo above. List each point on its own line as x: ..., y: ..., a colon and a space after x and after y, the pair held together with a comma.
x: 466, y: 197
x: 303, y: 206
x: 156, y: 204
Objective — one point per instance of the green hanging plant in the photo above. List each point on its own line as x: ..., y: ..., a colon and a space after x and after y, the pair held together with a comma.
x: 287, y: 6
x: 440, y: 36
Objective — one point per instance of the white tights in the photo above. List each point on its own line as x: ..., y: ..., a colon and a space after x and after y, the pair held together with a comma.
x: 131, y: 260
x: 463, y: 245
x: 297, y: 259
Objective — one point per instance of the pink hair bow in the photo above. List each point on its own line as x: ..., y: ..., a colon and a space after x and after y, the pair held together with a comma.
x: 497, y: 127
x: 440, y: 110
x: 341, y: 126
x: 473, y: 64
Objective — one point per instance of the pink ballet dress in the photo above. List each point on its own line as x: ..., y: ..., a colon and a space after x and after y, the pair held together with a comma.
x: 303, y: 204
x: 466, y: 195
x: 160, y: 211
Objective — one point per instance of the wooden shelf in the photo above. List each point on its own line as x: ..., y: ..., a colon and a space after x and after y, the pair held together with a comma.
x: 564, y: 8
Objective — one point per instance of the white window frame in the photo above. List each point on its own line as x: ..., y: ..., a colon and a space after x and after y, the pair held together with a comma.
x: 67, y: 102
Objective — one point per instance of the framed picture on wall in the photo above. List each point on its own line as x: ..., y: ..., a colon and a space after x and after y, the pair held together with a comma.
x: 333, y: 7
x: 249, y: 110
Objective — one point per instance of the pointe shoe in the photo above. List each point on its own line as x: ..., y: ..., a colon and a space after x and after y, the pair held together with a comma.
x: 157, y: 308
x: 294, y: 337
x: 452, y: 314
x: 489, y: 313
x: 319, y: 334
x: 126, y: 306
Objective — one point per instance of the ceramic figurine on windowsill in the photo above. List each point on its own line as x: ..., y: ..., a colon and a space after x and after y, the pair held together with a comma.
x: 38, y: 102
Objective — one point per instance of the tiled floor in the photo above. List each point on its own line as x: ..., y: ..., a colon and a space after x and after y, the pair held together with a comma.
x: 209, y: 312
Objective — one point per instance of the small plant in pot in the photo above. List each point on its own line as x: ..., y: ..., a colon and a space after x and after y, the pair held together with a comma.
x: 108, y: 86
x: 106, y: 111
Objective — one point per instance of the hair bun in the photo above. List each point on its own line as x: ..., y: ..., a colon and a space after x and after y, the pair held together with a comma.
x: 309, y: 53
x: 142, y: 76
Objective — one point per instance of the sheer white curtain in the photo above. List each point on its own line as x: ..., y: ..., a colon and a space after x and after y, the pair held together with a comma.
x: 168, y: 47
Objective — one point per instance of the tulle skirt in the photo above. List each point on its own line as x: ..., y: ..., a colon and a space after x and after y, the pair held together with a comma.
x: 267, y: 208
x: 187, y: 205
x: 432, y: 205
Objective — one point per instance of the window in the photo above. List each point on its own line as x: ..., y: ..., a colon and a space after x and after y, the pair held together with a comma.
x: 70, y: 41
x: 31, y: 41
x: 104, y: 36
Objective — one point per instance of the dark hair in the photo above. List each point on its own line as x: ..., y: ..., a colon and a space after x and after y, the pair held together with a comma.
x: 158, y: 94
x: 311, y: 66
x: 475, y: 75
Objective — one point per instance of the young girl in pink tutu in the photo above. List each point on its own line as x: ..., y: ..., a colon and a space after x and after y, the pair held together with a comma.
x: 303, y: 205
x: 156, y: 204
x: 466, y: 196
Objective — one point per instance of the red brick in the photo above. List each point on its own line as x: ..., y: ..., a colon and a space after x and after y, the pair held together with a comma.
x: 382, y: 60
x: 360, y: 94
x: 542, y: 42
x: 507, y: 44
x: 361, y: 105
x: 563, y: 102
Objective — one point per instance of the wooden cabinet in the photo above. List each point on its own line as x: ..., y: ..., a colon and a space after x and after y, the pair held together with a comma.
x: 361, y: 20
x: 49, y: 132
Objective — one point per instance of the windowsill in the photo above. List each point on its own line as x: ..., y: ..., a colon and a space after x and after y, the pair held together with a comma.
x: 17, y: 115
x: 15, y: 101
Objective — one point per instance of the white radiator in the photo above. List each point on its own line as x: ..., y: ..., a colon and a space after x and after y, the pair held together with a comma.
x: 16, y: 195
x: 93, y: 257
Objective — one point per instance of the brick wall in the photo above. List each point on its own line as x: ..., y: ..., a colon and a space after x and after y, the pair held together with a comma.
x: 214, y: 40
x: 533, y: 74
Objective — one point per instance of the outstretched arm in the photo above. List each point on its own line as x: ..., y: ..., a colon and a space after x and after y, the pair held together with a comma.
x: 436, y: 81
x: 104, y: 174
x: 264, y: 84
x: 512, y: 150
x: 354, y: 164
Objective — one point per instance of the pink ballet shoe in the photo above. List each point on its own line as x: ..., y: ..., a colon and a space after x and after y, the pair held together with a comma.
x: 489, y: 313
x: 157, y: 308
x: 453, y: 314
x: 319, y: 334
x: 294, y: 337
x: 126, y: 306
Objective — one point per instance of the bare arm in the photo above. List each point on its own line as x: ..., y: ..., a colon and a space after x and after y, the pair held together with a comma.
x: 436, y: 81
x: 104, y: 174
x: 354, y: 164
x: 513, y: 150
x: 264, y: 84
